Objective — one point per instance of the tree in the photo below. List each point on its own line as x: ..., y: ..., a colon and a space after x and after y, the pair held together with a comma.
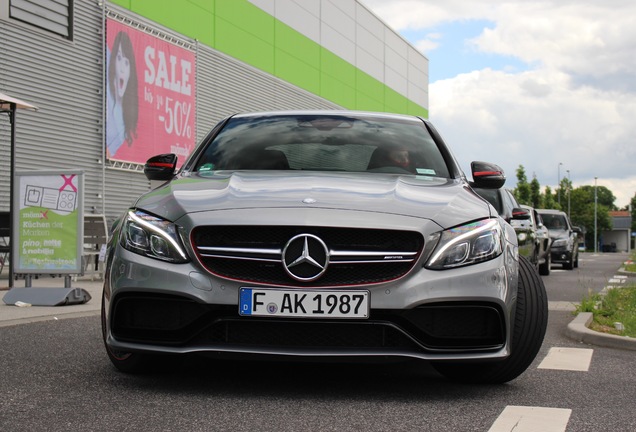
x: 565, y: 188
x: 522, y: 191
x: 549, y: 202
x: 632, y: 205
x: 604, y: 196
x: 536, y: 199
x: 582, y: 210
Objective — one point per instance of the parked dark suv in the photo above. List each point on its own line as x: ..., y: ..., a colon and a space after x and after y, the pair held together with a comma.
x: 543, y: 240
x: 565, y: 244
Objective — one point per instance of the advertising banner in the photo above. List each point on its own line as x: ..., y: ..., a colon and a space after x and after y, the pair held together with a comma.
x: 48, y: 223
x: 150, y: 96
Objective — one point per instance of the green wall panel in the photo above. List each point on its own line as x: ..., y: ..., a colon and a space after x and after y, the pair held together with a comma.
x: 292, y: 69
x: 367, y: 103
x: 187, y: 16
x: 249, y: 34
x: 415, y: 109
x: 244, y: 46
x: 336, y: 66
x: 247, y: 16
x: 337, y: 91
x: 370, y: 87
x: 300, y: 47
x: 395, y: 101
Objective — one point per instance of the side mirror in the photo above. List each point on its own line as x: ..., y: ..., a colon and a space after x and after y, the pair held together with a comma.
x: 161, y: 167
x: 520, y: 214
x: 487, y: 175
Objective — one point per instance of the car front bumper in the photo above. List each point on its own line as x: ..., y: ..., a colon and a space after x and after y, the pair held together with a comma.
x: 458, y: 314
x: 561, y: 256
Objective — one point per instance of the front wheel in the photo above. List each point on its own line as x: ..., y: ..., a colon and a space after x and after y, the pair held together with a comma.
x: 530, y: 324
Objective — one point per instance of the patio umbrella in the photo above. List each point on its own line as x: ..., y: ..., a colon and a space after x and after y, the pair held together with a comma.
x: 9, y: 105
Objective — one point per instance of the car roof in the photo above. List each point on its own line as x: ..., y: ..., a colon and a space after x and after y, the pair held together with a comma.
x: 550, y: 211
x: 330, y: 113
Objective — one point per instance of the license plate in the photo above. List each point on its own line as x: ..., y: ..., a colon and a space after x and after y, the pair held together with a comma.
x: 303, y: 304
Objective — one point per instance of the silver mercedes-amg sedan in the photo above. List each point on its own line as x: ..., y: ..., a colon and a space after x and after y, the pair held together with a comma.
x: 323, y: 235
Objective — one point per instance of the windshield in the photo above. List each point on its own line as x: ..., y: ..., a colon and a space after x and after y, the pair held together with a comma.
x: 324, y: 143
x: 554, y: 221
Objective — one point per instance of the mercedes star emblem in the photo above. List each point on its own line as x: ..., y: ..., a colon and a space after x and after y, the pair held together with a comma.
x: 305, y: 257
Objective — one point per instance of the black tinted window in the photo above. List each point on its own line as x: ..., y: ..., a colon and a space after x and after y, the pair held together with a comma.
x: 324, y: 143
x: 492, y: 196
x: 555, y: 221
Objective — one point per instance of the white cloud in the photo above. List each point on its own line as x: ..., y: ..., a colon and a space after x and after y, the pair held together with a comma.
x: 537, y: 119
x: 429, y: 43
x: 576, y: 105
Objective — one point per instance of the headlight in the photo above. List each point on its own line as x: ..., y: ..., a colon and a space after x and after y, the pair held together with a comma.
x: 566, y: 243
x: 468, y: 244
x: 152, y: 237
x: 560, y: 243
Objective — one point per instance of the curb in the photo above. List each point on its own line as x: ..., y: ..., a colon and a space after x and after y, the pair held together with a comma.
x: 35, y: 319
x: 579, y: 331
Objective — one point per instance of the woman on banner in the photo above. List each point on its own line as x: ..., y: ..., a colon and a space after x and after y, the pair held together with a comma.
x: 122, y: 104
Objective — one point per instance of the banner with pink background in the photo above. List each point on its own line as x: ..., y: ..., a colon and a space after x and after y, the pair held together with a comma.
x: 150, y: 96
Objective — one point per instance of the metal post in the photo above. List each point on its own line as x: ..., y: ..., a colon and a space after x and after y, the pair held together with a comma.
x: 569, y: 192
x: 12, y: 111
x: 595, y: 205
x: 559, y: 181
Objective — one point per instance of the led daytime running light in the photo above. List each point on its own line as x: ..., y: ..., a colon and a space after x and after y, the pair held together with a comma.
x: 159, y: 232
x: 464, y: 245
x: 464, y: 236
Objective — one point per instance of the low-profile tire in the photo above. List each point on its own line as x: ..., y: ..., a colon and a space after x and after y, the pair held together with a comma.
x: 576, y: 261
x: 569, y: 265
x: 530, y: 323
x: 544, y: 269
x: 136, y: 363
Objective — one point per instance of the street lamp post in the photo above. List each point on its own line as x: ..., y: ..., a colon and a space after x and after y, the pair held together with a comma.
x: 595, y: 205
x: 559, y: 181
x: 569, y: 192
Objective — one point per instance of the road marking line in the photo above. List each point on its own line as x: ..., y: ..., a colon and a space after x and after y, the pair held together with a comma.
x: 561, y: 306
x: 531, y: 419
x: 573, y: 359
x: 616, y: 281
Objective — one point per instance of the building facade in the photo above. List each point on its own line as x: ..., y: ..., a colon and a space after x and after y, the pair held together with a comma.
x: 194, y: 63
x: 618, y: 239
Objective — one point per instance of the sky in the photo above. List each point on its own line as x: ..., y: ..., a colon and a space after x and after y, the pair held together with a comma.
x: 550, y: 85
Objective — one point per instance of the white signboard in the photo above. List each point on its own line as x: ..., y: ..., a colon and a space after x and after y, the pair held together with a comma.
x: 48, y: 230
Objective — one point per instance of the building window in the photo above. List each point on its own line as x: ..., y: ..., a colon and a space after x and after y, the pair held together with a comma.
x: 55, y: 16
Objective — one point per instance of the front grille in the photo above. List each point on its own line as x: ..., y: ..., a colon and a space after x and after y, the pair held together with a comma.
x: 175, y: 321
x: 356, y: 256
x: 281, y: 334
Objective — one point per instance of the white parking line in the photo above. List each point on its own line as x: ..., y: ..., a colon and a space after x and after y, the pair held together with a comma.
x: 616, y: 280
x: 531, y: 419
x: 573, y: 359
x: 561, y: 306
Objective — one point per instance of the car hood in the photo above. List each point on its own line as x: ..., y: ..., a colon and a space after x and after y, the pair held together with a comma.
x: 447, y: 202
x: 559, y: 233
